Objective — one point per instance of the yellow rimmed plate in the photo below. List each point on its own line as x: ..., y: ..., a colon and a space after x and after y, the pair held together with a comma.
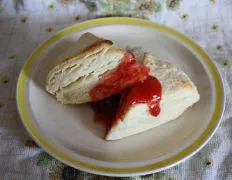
x: 68, y: 132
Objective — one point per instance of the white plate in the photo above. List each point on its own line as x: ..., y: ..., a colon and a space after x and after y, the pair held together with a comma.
x: 68, y: 132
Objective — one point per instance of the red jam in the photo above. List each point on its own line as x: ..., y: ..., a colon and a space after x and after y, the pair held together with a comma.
x: 126, y: 74
x: 105, y: 110
x: 109, y: 111
x: 148, y: 92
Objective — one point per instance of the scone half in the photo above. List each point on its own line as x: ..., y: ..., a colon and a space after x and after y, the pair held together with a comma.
x: 178, y: 94
x: 94, y: 73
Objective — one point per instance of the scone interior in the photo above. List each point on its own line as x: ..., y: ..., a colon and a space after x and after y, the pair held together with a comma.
x: 90, y: 74
x: 178, y: 93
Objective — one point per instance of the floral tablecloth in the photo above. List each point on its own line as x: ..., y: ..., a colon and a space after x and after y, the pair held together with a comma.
x: 25, y: 23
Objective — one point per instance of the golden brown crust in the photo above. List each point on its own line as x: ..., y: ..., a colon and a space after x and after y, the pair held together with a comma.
x: 92, y: 49
x: 95, y: 46
x: 88, y: 50
x: 171, y: 77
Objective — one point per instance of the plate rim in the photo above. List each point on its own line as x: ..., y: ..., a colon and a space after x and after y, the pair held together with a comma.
x: 130, y: 171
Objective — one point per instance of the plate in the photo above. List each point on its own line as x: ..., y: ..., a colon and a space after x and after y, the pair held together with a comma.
x: 68, y: 132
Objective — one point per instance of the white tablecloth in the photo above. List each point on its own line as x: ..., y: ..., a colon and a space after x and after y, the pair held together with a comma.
x: 26, y: 23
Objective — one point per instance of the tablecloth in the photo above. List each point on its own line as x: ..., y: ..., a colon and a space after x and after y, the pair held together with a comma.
x: 25, y: 23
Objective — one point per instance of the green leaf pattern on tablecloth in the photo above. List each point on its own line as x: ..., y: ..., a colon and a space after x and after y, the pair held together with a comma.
x: 173, y: 4
x: 139, y: 8
x: 115, y: 6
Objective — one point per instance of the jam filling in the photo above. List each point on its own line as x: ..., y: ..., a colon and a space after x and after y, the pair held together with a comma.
x: 109, y: 111
x: 105, y: 110
x: 146, y: 92
x: 126, y: 74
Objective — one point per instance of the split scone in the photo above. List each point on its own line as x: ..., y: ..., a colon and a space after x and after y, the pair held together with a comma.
x: 162, y: 97
x: 98, y: 71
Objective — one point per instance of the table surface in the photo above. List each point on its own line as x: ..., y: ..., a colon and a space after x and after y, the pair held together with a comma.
x: 24, y: 24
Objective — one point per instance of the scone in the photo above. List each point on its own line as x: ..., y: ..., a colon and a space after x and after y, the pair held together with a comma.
x: 162, y: 97
x: 98, y: 71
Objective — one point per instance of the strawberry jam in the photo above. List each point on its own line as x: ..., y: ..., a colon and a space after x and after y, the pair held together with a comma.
x: 148, y: 92
x: 110, y: 110
x: 105, y: 110
x: 126, y: 74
